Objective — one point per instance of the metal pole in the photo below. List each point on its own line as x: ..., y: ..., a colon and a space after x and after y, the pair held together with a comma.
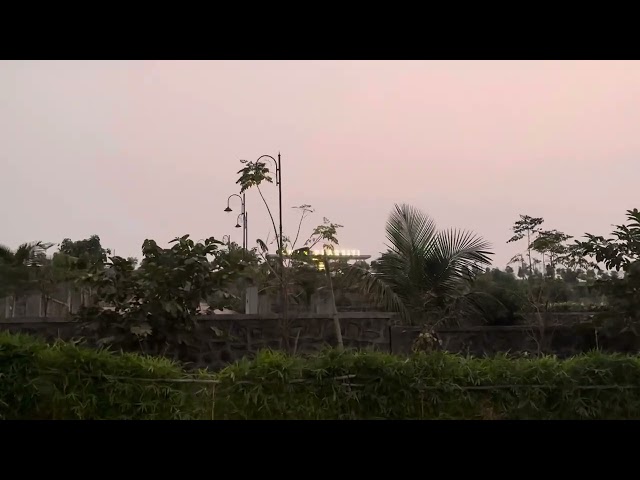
x: 280, y: 199
x: 285, y: 303
x: 244, y: 223
x: 246, y: 231
x: 243, y: 214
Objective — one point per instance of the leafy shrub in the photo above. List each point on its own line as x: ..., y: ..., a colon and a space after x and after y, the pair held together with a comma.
x: 368, y: 385
x: 156, y: 304
x: 508, y: 293
x: 65, y: 381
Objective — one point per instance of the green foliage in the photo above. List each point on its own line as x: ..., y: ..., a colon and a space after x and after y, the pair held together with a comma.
x: 423, y: 271
x: 509, y: 295
x: 243, y: 268
x: 525, y: 227
x: 252, y: 175
x: 65, y: 381
x: 543, y: 292
x: 301, y: 275
x: 623, y: 294
x: 156, y: 304
x: 87, y: 254
x: 541, y: 287
x: 620, y: 253
x: 515, y: 297
x: 326, y: 233
x: 367, y: 385
x: 551, y: 243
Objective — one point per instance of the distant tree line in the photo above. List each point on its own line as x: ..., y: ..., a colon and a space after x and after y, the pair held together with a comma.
x: 430, y: 277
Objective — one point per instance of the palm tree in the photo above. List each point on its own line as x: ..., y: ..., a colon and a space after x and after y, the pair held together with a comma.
x: 425, y: 274
x: 15, y: 269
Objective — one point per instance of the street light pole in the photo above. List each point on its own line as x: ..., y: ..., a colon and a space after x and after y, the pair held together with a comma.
x: 243, y: 214
x: 244, y: 223
x: 279, y: 180
x: 246, y: 231
x: 278, y: 165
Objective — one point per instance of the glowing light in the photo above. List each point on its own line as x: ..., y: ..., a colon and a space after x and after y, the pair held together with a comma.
x: 336, y: 253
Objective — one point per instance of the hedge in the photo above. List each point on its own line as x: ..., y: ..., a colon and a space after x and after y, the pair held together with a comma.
x: 366, y: 385
x: 65, y: 381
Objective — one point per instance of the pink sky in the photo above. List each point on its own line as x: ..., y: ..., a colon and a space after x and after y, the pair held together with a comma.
x: 132, y: 150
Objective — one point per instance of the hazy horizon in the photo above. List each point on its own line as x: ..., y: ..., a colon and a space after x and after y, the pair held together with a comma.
x: 131, y: 150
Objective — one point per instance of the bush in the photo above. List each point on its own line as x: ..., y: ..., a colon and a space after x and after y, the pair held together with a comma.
x: 65, y: 381
x: 508, y: 294
x: 367, y: 385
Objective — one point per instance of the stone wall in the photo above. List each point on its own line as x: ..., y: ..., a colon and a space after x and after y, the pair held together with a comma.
x: 561, y: 340
x: 222, y: 339
x: 560, y: 318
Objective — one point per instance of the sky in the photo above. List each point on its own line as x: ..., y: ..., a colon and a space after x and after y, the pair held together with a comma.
x: 131, y: 150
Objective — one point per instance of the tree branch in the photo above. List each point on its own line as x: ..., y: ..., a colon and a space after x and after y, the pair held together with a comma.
x: 302, y: 217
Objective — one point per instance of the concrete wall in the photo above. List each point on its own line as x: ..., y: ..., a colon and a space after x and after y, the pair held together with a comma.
x: 65, y: 300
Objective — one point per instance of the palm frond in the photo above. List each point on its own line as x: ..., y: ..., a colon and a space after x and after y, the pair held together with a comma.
x: 454, y: 254
x: 483, y: 302
x: 423, y: 271
x: 471, y: 305
x: 411, y: 234
x: 464, y: 247
x: 409, y: 230
x: 23, y: 253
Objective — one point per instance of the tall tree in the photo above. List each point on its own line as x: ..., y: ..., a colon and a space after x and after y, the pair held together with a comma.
x: 526, y: 227
x: 551, y: 243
